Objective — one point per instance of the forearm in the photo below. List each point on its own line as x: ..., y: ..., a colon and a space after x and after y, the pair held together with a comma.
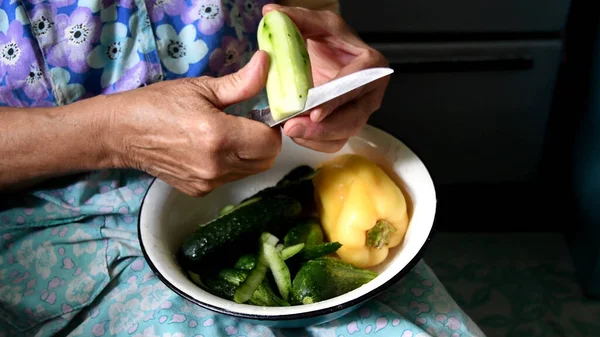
x: 38, y: 143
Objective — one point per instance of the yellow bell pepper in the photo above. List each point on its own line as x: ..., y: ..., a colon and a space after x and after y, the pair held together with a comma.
x: 361, y: 207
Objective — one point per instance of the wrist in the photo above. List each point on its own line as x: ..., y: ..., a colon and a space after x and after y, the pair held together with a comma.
x: 122, y: 126
x: 93, y: 125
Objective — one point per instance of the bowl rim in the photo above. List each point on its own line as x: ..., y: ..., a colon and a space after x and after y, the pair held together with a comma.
x: 307, y: 314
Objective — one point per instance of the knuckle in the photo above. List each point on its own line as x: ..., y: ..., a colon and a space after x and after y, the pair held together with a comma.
x: 233, y: 80
x: 320, y: 132
x: 268, y: 165
x: 212, y: 170
x: 376, y: 57
x: 377, y: 105
x: 209, y: 185
x: 197, y: 192
x: 202, y: 85
x: 337, y: 146
x: 360, y: 122
x: 215, y: 142
x: 203, y: 187
x: 335, y: 21
x: 190, y: 82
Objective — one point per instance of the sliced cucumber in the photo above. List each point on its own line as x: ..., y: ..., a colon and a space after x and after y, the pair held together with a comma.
x: 280, y: 271
x: 244, y: 292
x: 289, y: 252
x: 290, y: 74
x: 226, y: 209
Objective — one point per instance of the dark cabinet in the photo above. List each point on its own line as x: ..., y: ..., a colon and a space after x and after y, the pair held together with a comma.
x: 445, y: 16
x: 474, y: 106
x: 473, y: 112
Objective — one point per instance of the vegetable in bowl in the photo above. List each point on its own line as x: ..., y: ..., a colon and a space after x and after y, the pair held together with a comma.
x: 272, y: 249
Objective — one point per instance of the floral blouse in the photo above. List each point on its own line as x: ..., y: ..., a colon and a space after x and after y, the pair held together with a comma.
x: 54, y: 52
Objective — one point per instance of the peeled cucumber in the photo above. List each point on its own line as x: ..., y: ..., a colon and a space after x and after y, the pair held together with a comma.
x: 290, y: 74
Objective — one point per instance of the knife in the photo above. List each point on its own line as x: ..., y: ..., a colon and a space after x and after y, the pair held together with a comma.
x: 325, y: 93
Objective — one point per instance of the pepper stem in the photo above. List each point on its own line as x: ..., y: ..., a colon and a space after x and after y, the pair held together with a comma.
x: 379, y: 235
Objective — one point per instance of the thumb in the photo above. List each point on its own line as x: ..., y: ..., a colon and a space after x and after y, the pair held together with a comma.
x: 241, y: 85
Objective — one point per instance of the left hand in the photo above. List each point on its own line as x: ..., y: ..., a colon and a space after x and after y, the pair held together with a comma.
x: 334, y: 51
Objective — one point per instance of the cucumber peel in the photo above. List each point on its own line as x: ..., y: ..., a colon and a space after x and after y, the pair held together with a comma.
x: 290, y: 73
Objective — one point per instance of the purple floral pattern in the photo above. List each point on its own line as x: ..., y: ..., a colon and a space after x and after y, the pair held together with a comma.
x: 209, y: 15
x: 251, y: 12
x: 99, y: 42
x: 78, y: 32
x: 135, y: 77
x: 34, y: 86
x: 121, y: 3
x: 20, y: 69
x: 42, y: 21
x: 55, y: 3
x: 227, y: 58
x: 16, y: 53
x: 158, y: 8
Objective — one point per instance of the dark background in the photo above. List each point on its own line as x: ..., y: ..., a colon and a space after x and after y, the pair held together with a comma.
x: 484, y: 92
x: 499, y: 99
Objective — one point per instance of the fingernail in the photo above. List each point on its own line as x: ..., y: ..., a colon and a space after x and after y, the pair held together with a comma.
x: 316, y: 114
x: 269, y: 7
x: 297, y: 131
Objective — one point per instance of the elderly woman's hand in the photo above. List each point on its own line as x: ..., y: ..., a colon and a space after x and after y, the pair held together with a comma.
x: 176, y: 130
x: 334, y: 51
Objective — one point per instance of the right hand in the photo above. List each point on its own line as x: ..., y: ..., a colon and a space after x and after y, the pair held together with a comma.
x: 176, y: 130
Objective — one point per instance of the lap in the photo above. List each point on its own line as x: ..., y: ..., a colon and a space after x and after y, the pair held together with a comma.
x: 71, y: 265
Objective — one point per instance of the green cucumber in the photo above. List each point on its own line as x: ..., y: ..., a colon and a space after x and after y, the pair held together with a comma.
x: 246, y: 262
x: 297, y: 184
x: 308, y: 231
x: 290, y: 73
x: 297, y: 175
x: 325, y: 278
x: 237, y: 231
x: 320, y: 250
x: 228, y: 280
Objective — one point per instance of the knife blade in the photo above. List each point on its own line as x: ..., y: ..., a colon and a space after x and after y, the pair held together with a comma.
x: 325, y: 93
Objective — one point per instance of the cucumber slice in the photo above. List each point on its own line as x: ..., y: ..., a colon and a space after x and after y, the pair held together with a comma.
x: 226, y: 209
x: 244, y: 292
x: 280, y: 271
x: 290, y: 74
x: 289, y: 252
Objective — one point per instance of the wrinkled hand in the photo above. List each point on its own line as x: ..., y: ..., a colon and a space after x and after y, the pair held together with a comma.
x: 176, y: 130
x: 334, y: 51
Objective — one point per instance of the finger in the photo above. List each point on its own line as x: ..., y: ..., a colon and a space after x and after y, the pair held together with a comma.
x: 314, y: 23
x: 369, y: 58
x: 241, y: 85
x: 345, y: 122
x: 245, y: 167
x: 186, y: 187
x: 326, y: 146
x: 251, y: 140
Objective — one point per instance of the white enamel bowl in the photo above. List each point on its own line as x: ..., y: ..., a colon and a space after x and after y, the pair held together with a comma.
x: 169, y: 216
